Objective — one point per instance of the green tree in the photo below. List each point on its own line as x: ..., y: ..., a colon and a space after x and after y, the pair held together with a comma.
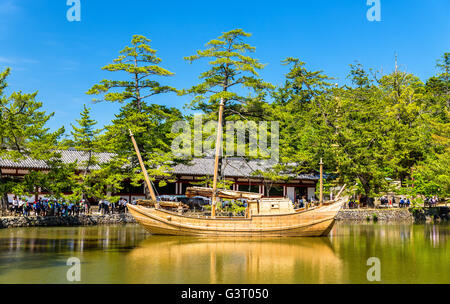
x: 302, y: 109
x: 150, y: 123
x: 139, y: 62
x: 85, y: 138
x: 366, y: 132
x: 232, y: 77
x: 432, y: 176
x: 56, y: 182
x: 298, y: 105
x: 23, y: 131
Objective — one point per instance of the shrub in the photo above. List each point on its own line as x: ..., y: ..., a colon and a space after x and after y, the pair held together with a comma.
x: 375, y: 217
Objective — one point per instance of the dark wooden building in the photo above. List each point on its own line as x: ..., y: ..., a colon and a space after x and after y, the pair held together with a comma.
x: 239, y: 172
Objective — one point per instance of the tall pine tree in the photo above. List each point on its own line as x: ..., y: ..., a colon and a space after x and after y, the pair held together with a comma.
x: 85, y: 138
x: 150, y: 123
x: 23, y: 132
x: 232, y: 77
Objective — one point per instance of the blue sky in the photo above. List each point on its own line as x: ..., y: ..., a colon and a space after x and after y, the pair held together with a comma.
x: 62, y: 59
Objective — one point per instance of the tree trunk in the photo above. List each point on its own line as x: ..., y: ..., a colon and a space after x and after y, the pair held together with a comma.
x: 219, y: 169
x: 366, y: 187
x: 4, y: 203
x: 3, y: 198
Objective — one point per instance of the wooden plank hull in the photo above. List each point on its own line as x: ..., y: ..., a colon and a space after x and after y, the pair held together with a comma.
x: 314, y: 222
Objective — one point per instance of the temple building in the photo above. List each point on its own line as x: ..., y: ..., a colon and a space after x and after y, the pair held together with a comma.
x: 239, y: 172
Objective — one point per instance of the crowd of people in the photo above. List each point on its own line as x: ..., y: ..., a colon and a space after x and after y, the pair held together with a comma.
x: 353, y: 204
x: 431, y: 201
x: 385, y: 201
x: 302, y: 202
x: 53, y: 207
x: 403, y: 203
x: 48, y: 207
x: 106, y: 207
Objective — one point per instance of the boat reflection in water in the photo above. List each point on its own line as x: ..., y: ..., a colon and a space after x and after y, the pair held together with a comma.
x: 162, y: 259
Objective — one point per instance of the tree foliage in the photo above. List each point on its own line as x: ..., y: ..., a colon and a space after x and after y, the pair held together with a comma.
x: 370, y: 131
x: 23, y: 133
x: 150, y: 123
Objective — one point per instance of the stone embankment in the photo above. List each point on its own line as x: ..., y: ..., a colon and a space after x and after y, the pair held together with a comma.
x: 382, y: 215
x: 52, y: 221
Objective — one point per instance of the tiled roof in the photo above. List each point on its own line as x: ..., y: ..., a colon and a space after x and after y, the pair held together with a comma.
x: 67, y: 156
x: 233, y: 167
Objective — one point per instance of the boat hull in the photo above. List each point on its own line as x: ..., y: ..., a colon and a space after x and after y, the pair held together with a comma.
x: 311, y: 223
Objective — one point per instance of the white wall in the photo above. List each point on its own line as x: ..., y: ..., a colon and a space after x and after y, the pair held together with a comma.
x: 291, y: 193
x: 26, y: 198
x: 311, y: 192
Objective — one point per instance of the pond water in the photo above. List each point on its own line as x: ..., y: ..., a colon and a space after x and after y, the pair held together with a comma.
x: 127, y: 254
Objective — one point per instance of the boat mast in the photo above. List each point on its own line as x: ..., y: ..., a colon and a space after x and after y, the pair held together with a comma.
x: 144, y: 171
x: 216, y: 162
x: 321, y: 182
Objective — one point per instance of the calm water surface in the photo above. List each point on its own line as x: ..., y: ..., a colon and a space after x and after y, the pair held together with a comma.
x: 127, y: 254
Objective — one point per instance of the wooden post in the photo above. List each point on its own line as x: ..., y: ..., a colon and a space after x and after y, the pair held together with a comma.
x: 36, y: 193
x: 340, y: 191
x: 321, y: 182
x: 216, y: 162
x: 144, y: 171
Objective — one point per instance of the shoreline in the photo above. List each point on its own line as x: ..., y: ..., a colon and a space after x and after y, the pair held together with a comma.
x: 382, y: 215
x: 345, y: 215
x: 66, y: 221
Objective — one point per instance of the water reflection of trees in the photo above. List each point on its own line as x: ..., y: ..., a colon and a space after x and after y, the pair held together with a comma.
x: 39, y: 255
x: 69, y: 239
x: 386, y: 234
x: 408, y: 253
x: 126, y: 254
x: 436, y: 235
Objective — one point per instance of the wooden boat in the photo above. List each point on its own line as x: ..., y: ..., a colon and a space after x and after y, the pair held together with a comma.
x: 264, y: 217
x: 313, y: 222
x: 164, y: 204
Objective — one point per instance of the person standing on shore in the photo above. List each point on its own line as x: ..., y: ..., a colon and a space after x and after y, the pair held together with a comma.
x: 106, y: 206
x: 15, y: 205
x: 100, y: 207
x: 21, y: 206
x: 85, y: 205
x: 69, y: 209
x: 125, y: 202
